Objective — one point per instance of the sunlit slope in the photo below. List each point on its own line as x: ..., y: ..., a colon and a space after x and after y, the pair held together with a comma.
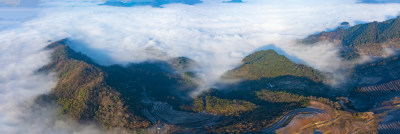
x: 84, y: 94
x: 269, y: 64
x: 112, y: 95
x: 141, y: 95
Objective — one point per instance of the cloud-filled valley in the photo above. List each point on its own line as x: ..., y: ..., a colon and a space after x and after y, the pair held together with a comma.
x: 215, y: 34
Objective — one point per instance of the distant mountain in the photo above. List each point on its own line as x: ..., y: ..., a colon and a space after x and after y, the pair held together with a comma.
x: 363, y: 39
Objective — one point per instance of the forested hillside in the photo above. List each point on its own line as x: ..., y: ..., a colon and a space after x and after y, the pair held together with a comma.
x: 363, y: 39
x: 269, y: 64
x: 273, y: 90
x: 111, y: 95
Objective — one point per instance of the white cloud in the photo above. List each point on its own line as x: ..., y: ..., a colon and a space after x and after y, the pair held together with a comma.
x: 21, y: 55
x: 10, y: 2
x: 217, y: 35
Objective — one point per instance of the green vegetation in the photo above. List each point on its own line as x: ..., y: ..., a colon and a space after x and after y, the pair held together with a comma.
x: 111, y: 96
x: 285, y: 97
x: 182, y: 64
x: 83, y: 93
x: 215, y: 105
x: 251, y: 120
x: 374, y: 32
x: 271, y: 96
x: 384, y: 69
x: 251, y: 110
x: 362, y: 36
x: 189, y: 78
x: 269, y: 64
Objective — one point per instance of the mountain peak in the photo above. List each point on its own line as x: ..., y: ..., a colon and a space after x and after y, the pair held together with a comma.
x: 269, y: 64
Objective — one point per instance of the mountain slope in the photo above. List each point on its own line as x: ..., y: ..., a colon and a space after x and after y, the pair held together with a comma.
x: 375, y: 82
x: 376, y: 72
x: 363, y: 39
x: 138, y: 96
x: 112, y: 95
x: 269, y: 64
x: 83, y: 93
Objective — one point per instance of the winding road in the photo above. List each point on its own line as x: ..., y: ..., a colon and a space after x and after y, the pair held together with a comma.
x: 286, y: 118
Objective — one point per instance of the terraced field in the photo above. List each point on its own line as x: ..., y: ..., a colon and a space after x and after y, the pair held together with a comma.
x: 285, y: 119
x: 381, y: 89
x: 389, y: 128
x: 324, y: 123
x: 164, y: 112
x: 161, y: 111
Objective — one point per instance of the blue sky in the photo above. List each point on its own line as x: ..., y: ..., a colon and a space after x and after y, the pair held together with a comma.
x: 14, y: 12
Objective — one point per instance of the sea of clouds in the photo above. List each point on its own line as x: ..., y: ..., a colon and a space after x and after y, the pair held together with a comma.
x: 215, y: 34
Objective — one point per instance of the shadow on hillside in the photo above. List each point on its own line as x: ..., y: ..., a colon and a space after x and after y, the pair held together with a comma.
x: 159, y: 79
x: 292, y: 84
x: 100, y: 56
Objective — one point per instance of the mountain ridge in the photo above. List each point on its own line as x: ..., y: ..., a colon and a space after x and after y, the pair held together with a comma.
x: 83, y: 93
x: 140, y: 95
x: 362, y: 39
x: 269, y: 64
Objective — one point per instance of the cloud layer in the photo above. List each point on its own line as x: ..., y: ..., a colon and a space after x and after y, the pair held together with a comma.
x: 216, y: 34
